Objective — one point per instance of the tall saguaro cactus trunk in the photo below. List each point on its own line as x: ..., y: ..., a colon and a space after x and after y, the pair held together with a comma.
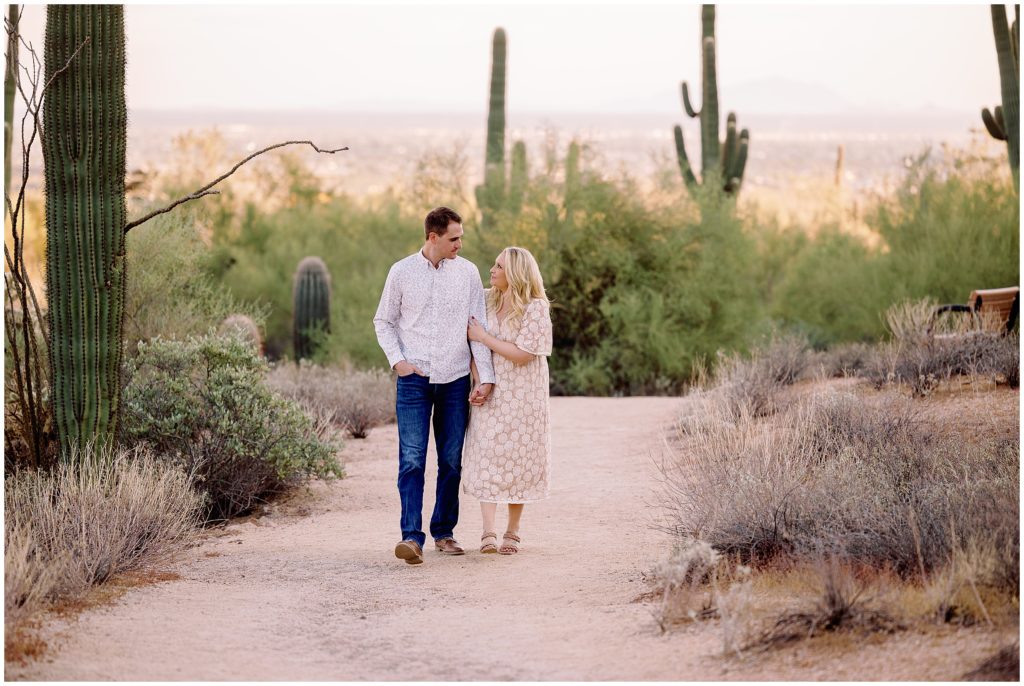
x: 1004, y: 123
x: 10, y: 91
x: 720, y: 167
x: 491, y: 195
x: 85, y: 124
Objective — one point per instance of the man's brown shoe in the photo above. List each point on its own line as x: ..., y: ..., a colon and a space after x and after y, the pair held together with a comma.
x: 409, y: 551
x: 449, y: 546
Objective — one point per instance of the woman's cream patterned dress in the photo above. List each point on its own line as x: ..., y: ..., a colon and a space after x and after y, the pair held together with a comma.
x: 507, y: 453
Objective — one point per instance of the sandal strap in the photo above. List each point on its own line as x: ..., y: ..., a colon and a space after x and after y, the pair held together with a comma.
x: 512, y: 536
x: 489, y: 534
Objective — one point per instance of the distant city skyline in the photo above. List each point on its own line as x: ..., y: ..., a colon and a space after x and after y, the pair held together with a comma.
x: 772, y: 59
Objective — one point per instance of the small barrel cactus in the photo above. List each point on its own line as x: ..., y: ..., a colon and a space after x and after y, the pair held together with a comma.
x: 311, y: 294
x: 244, y: 328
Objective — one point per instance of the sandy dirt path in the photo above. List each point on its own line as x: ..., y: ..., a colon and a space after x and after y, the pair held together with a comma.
x: 312, y: 590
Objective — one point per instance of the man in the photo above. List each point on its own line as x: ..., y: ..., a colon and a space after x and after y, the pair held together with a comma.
x: 421, y: 323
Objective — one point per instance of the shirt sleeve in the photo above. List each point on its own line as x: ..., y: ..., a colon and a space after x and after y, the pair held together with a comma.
x: 535, y: 334
x: 385, y: 322
x: 481, y: 353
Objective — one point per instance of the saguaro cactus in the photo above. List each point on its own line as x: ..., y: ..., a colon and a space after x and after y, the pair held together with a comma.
x: 1004, y: 123
x: 497, y: 191
x: 720, y: 166
x: 311, y: 293
x: 85, y: 121
x: 494, y: 157
x: 10, y: 90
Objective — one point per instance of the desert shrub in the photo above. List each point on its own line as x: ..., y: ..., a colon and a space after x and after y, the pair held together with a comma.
x: 203, y: 404
x: 829, y: 290
x: 355, y: 401
x: 29, y: 577
x: 839, y: 606
x: 834, y: 476
x: 93, y: 516
x: 924, y: 364
x: 923, y: 352
x: 843, y: 359
x: 750, y: 385
x: 952, y: 226
x: 170, y: 294
x: 684, y: 583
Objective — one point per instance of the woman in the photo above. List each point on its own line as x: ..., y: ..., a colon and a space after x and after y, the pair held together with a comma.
x: 507, y: 453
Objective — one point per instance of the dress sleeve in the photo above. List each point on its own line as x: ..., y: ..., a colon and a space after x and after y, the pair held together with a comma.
x: 535, y: 332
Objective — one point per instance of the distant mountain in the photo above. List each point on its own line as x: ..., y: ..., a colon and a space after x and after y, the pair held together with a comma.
x: 783, y: 96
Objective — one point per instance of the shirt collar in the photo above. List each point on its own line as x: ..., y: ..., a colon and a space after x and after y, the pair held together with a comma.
x: 428, y: 263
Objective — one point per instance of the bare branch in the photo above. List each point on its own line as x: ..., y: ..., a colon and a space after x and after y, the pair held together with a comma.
x: 63, y: 69
x: 205, y: 190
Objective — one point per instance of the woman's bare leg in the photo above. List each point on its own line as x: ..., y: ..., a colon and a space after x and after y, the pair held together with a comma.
x: 515, y: 513
x: 510, y: 545
x: 487, y: 512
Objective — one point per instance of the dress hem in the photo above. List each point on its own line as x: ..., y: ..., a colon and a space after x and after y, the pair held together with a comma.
x: 510, y: 502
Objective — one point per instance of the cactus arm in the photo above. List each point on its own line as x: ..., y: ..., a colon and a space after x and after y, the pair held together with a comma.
x: 684, y: 161
x: 518, y: 177
x: 731, y: 146
x: 994, y: 129
x: 690, y: 112
x: 740, y: 167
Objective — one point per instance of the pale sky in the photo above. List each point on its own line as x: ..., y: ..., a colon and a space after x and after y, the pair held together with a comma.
x: 562, y: 58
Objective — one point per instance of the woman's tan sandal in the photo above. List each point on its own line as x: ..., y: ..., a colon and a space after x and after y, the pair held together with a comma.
x: 509, y: 544
x: 489, y: 547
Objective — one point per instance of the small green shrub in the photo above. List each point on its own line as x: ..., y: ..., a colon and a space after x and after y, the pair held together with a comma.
x: 172, y: 296
x: 203, y: 403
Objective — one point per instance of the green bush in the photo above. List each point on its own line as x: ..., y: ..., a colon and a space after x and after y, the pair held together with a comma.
x: 203, y: 403
x: 643, y: 292
x: 170, y: 294
x: 358, y: 244
x: 950, y: 228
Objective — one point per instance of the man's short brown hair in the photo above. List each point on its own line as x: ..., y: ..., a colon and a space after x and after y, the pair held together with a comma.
x: 438, y: 219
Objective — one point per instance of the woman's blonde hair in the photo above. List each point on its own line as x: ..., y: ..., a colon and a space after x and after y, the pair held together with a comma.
x: 524, y: 282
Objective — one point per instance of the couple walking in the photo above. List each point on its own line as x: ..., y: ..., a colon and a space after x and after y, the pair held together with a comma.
x: 475, y: 360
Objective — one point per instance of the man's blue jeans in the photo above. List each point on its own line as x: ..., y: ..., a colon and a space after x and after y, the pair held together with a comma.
x: 415, y: 400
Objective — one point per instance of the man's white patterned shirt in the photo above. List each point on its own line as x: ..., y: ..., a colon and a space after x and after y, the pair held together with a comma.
x: 423, y: 314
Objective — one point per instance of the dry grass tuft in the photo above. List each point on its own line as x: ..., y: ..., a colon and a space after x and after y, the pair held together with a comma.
x: 840, y: 607
x: 685, y: 583
x: 96, y: 516
x: 923, y: 357
x: 1002, y: 666
x: 354, y: 401
x: 750, y: 386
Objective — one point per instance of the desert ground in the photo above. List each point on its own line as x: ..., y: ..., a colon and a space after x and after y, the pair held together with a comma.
x: 310, y: 589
